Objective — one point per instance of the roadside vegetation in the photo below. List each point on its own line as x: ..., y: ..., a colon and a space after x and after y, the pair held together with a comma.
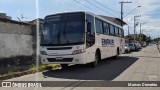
x: 30, y: 69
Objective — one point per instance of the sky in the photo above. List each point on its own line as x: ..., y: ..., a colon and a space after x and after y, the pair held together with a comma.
x: 149, y: 11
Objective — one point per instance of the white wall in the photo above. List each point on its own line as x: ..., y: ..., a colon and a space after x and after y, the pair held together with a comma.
x: 15, y: 40
x: 15, y: 45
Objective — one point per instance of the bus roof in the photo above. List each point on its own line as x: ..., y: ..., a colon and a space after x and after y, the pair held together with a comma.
x: 114, y: 20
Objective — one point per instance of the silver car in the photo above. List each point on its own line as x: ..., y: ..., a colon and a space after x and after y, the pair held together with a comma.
x: 138, y: 46
x: 127, y: 48
x: 132, y: 47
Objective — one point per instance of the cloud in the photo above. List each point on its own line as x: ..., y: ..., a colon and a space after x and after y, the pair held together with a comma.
x: 149, y: 11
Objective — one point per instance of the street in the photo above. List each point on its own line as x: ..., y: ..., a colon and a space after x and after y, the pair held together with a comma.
x: 135, y: 66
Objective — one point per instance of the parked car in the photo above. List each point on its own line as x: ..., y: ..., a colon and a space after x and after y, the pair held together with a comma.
x: 138, y: 46
x: 132, y: 47
x: 127, y: 48
x: 144, y: 44
x: 150, y: 44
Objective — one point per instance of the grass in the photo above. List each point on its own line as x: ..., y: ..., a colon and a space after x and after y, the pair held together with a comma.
x: 31, y: 68
x: 43, y: 67
x: 10, y: 71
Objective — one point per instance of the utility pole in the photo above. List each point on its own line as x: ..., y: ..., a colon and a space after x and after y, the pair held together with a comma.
x: 128, y: 29
x: 128, y: 33
x: 135, y: 27
x: 140, y: 32
x: 122, y: 2
x: 142, y: 35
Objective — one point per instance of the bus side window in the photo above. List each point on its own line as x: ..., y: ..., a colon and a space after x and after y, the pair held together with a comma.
x: 121, y: 33
x: 99, y: 26
x: 106, y: 28
x: 90, y: 33
x: 89, y: 27
x: 116, y: 31
x: 112, y: 30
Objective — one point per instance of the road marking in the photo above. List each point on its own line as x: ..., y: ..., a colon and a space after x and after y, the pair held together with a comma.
x: 152, y: 77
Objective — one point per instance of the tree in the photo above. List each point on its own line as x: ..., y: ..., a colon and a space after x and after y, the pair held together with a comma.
x: 148, y: 39
x: 157, y: 39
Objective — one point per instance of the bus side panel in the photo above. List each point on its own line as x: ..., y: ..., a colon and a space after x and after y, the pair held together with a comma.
x: 90, y: 54
x: 99, y: 45
x: 117, y: 45
x: 108, y: 48
x: 122, y: 44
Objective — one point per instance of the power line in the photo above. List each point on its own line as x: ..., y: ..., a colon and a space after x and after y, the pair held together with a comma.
x: 131, y: 11
x: 69, y: 4
x: 84, y: 5
x: 99, y: 7
x: 106, y: 6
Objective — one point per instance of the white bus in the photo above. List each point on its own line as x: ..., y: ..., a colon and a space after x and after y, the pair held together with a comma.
x: 79, y: 38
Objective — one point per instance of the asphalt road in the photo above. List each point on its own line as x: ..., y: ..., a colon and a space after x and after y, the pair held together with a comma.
x: 136, y: 66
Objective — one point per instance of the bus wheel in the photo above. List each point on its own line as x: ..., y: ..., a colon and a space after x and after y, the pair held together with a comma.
x: 64, y: 66
x: 117, y: 55
x: 94, y: 63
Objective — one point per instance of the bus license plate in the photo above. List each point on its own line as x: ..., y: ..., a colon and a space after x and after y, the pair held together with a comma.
x: 59, y: 58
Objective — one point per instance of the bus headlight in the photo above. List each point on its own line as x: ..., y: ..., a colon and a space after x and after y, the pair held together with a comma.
x: 78, y: 51
x: 43, y: 52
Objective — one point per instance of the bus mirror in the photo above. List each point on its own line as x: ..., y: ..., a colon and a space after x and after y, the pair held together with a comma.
x: 88, y: 27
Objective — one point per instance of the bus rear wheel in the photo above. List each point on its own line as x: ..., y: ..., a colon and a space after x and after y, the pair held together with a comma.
x: 117, y: 54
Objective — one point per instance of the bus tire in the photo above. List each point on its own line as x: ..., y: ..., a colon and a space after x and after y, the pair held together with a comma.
x: 117, y: 54
x: 95, y: 62
x: 64, y: 66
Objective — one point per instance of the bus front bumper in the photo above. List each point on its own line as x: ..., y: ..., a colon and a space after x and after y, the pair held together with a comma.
x: 65, y: 59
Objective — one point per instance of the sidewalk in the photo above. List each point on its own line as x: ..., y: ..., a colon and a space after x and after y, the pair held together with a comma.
x: 146, y: 68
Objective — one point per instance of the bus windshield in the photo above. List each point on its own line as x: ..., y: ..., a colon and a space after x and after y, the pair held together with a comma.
x: 63, y: 29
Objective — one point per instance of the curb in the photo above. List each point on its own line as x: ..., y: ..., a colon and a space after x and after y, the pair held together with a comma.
x: 18, y: 74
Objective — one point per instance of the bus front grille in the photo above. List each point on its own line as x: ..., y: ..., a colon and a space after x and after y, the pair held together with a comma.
x: 62, y: 60
x: 60, y: 48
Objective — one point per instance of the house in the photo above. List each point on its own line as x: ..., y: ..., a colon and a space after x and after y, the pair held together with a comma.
x: 4, y: 16
x: 130, y: 37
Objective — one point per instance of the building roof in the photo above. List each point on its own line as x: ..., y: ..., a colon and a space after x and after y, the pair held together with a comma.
x: 130, y: 36
x: 13, y: 21
x: 4, y: 15
x: 115, y: 20
x: 35, y: 21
